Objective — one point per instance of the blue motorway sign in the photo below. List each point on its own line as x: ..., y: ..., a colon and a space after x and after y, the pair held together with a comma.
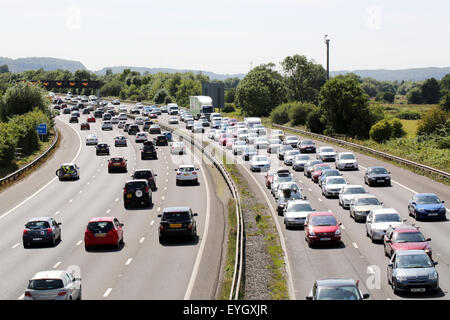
x: 42, y: 128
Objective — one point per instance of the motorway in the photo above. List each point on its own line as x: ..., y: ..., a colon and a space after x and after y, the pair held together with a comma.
x: 358, y: 257
x: 142, y: 268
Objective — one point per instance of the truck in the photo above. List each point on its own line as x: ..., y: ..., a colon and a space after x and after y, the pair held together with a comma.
x: 172, y: 109
x: 250, y: 122
x: 201, y: 106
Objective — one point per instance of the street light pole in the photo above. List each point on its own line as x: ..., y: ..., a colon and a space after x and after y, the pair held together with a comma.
x: 327, y: 42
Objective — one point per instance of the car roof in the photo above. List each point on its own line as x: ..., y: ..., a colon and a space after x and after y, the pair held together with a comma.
x: 176, y: 209
x: 359, y: 196
x: 384, y: 210
x: 291, y: 202
x: 186, y: 166
x: 350, y: 186
x: 341, y: 153
x: 67, y: 164
x: 410, y: 252
x: 425, y: 194
x: 406, y: 228
x: 322, y: 213
x: 136, y: 180
x: 50, y: 274
x: 100, y: 219
x: 39, y: 219
x: 375, y: 167
x: 336, y: 282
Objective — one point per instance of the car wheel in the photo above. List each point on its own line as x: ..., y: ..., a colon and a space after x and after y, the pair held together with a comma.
x: 126, y: 205
x: 26, y: 244
x: 385, y: 252
x: 177, y: 182
x: 53, y: 242
x: 87, y: 248
x: 121, y: 241
x: 372, y: 239
x: 161, y: 239
x: 394, y: 287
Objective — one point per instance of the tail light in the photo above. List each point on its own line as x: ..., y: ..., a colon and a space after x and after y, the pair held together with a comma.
x: 49, y: 230
x: 161, y: 227
x: 178, y: 173
x: 27, y: 294
x: 122, y: 163
x: 189, y: 226
x: 146, y: 189
x: 62, y: 293
x: 195, y: 172
x: 25, y: 231
x: 124, y: 190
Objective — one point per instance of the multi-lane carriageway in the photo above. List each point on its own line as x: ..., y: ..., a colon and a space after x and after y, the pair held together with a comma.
x: 144, y: 269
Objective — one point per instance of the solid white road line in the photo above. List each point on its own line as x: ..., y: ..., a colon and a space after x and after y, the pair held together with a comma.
x: 107, y: 292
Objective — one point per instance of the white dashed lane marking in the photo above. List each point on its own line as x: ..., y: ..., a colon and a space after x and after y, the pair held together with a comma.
x: 15, y: 246
x: 57, y: 264
x: 107, y: 292
x: 151, y: 223
x: 142, y: 240
x: 355, y: 245
x: 128, y: 261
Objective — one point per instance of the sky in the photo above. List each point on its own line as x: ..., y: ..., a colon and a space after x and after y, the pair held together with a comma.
x: 228, y: 36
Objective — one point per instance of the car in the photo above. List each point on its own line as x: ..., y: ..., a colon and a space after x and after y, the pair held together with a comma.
x: 157, y: 111
x: 331, y: 186
x: 274, y: 145
x: 173, y: 120
x: 317, y: 170
x: 102, y: 148
x: 91, y: 119
x: 148, y: 151
x: 141, y: 137
x: 146, y: 125
x: 135, y: 110
x: 218, y: 134
x: 405, y: 237
x: 349, y: 192
x: 115, y: 102
x: 178, y: 147
x: 68, y: 171
x: 259, y: 129
x: 282, y: 175
x: 361, y: 205
x: 259, y: 163
x: 161, y: 140
x: 146, y: 174
x: 41, y: 230
x: 379, y: 220
x: 322, y: 228
x: 197, y: 127
x: 120, y: 141
x: 277, y: 134
x: 189, y: 124
x: 215, y: 124
x: 211, y: 134
x: 127, y: 126
x: 85, y: 126
x: 168, y: 135
x: 53, y: 285
x: 282, y: 151
x: 295, y: 213
x: 289, y: 156
x: 133, y: 129
x: 306, y: 146
x: 107, y: 125
x: 115, y: 120
x: 261, y: 143
x: 86, y: 111
x: 299, y: 161
x: 412, y: 271
x: 117, y: 164
x: 137, y: 192
x: 224, y: 138
x: 107, y: 117
x: 123, y: 116
x: 251, y: 138
x: 336, y: 289
x: 424, y: 206
x: 328, y: 173
x: 164, y: 109
x: 121, y: 124
x: 73, y: 119
x: 326, y: 154
x: 230, y: 143
x: 103, y: 231
x: 238, y: 147
x: 346, y: 160
x: 91, y: 139
x: 204, y: 122
x: 291, y: 140
x: 248, y: 152
x: 98, y: 113
x: 292, y: 185
x: 186, y: 173
x: 66, y: 111
x: 242, y: 134
x: 177, y: 221
x: 309, y: 165
x: 377, y: 175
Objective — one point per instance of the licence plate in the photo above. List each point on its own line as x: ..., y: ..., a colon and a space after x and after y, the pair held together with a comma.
x: 37, y: 239
x: 432, y: 214
x: 129, y: 195
x: 417, y: 289
x: 186, y: 174
x: 325, y: 239
x: 100, y: 235
x: 175, y: 225
x: 380, y: 180
x: 116, y: 164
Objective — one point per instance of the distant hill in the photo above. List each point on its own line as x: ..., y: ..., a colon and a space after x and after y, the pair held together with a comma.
x: 48, y: 64
x: 211, y: 75
x: 415, y: 74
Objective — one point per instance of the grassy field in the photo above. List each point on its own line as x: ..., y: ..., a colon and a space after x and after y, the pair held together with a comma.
x: 410, y: 126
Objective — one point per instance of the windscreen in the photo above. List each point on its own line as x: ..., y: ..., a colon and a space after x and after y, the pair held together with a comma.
x: 414, y: 261
x: 367, y: 202
x: 387, y: 217
x: 338, y: 293
x: 427, y: 199
x: 142, y: 174
x: 207, y: 109
x: 325, y: 220
x: 298, y: 207
x: 400, y: 237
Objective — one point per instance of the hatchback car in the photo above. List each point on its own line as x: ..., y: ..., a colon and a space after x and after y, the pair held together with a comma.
x: 309, y: 165
x: 328, y: 173
x: 405, y: 237
x: 289, y: 156
x: 306, y: 146
x: 141, y: 137
x: 346, y: 160
x: 173, y: 120
x: 282, y: 151
x: 148, y: 151
x: 336, y: 289
x: 295, y: 213
x: 322, y: 228
x: 137, y: 192
x: 177, y: 221
x: 259, y: 163
x: 291, y: 140
x: 348, y: 193
x: 103, y: 231
x: 133, y: 129
x: 379, y: 220
x: 41, y: 230
x: 299, y: 161
x: 146, y: 174
x: 73, y: 119
x: 317, y: 170
x: 117, y: 164
x: 102, y: 148
x: 361, y: 205
x: 53, y: 285
x: 178, y: 148
x: 326, y: 154
x: 91, y: 119
x: 91, y: 139
x: 161, y: 140
x: 107, y: 125
x: 274, y: 145
x: 377, y: 175
x: 155, y: 129
x: 186, y: 173
x: 426, y: 206
x: 68, y: 171
x: 120, y: 141
x: 412, y: 271
x: 331, y: 186
x: 248, y: 152
x: 85, y: 126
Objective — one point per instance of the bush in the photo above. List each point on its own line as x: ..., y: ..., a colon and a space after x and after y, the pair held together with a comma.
x: 443, y: 143
x: 315, y: 121
x: 229, y: 107
x: 397, y: 129
x: 414, y: 96
x: 408, y: 115
x: 168, y: 99
x: 8, y: 144
x: 381, y: 131
x: 160, y: 96
x: 298, y: 112
x: 280, y: 115
x: 385, y: 96
x: 432, y: 120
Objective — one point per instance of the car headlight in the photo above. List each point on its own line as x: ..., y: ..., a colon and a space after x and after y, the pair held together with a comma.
x: 433, y: 276
x: 311, y: 233
x: 420, y: 210
x: 338, y: 232
x: 400, y: 277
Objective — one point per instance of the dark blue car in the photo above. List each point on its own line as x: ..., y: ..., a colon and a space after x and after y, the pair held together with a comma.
x: 168, y: 135
x: 426, y: 206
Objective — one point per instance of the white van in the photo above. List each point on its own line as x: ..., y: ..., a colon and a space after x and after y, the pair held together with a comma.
x: 172, y: 109
x: 252, y: 121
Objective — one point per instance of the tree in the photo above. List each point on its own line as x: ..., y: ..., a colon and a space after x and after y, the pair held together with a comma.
x: 445, y: 102
x: 431, y: 92
x: 299, y: 111
x: 111, y: 89
x: 4, y: 68
x: 414, y: 96
x: 108, y: 72
x: 381, y: 131
x: 370, y: 89
x: 187, y: 88
x: 432, y: 120
x: 346, y: 107
x: 230, y: 95
x: 280, y: 115
x: 444, y: 84
x: 316, y: 121
x: 303, y: 78
x: 160, y: 96
x: 260, y: 91
x: 385, y: 96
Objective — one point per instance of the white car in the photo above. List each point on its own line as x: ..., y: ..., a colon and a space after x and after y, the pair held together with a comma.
x: 139, y: 121
x: 186, y: 173
x: 123, y: 109
x: 277, y: 134
x: 107, y: 125
x: 121, y: 124
x: 379, y: 220
x: 259, y: 163
x: 295, y: 213
x: 251, y: 137
x: 326, y: 154
x: 298, y: 163
x: 261, y: 143
x: 348, y: 193
x: 178, y: 147
x: 274, y: 145
x: 141, y: 137
x: 53, y: 285
x: 346, y: 160
x: 173, y: 120
x: 123, y: 116
x: 361, y: 205
x: 289, y: 156
x: 242, y: 134
x: 292, y: 185
x: 238, y: 147
x: 260, y: 130
x: 115, y: 120
x: 292, y: 140
x: 211, y: 134
x: 331, y: 186
x: 91, y: 139
x: 218, y: 133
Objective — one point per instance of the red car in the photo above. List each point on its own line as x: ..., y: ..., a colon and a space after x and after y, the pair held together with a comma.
x: 317, y: 171
x: 223, y: 139
x: 269, y: 178
x: 230, y: 142
x: 85, y: 126
x: 232, y: 122
x: 117, y: 164
x: 153, y: 115
x: 91, y: 119
x: 323, y: 228
x: 103, y: 231
x: 405, y: 238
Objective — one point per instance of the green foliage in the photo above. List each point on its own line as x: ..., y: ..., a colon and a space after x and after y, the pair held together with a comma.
x: 385, y: 96
x: 397, y: 128
x: 445, y: 102
x: 160, y: 96
x: 229, y: 107
x: 414, y: 96
x: 298, y: 112
x: 260, y: 91
x: 404, y: 88
x: 4, y: 68
x: 316, y: 121
x: 280, y: 115
x: 431, y: 92
x: 432, y: 120
x: 111, y: 89
x: 230, y: 95
x: 370, y: 89
x: 187, y: 87
x: 381, y: 131
x: 8, y: 143
x: 409, y: 115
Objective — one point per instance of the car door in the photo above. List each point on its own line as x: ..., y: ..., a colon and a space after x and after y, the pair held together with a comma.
x: 411, y: 207
x: 369, y: 223
x: 391, y: 266
x: 56, y: 229
x: 387, y: 245
x: 118, y: 228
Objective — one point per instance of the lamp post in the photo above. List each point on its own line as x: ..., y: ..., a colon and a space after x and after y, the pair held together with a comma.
x: 327, y: 42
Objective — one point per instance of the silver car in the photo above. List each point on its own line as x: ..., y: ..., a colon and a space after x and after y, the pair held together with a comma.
x: 295, y: 213
x: 259, y: 163
x: 361, y: 205
x: 186, y: 172
x: 348, y: 193
x: 53, y: 285
x: 289, y: 156
x: 107, y: 125
x: 331, y: 186
x: 298, y: 164
x: 379, y: 220
x: 326, y: 154
x: 346, y: 160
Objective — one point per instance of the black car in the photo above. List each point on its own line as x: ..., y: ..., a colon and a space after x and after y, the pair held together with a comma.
x: 148, y: 151
x: 377, y: 175
x: 80, y: 105
x: 102, y: 148
x: 112, y: 113
x: 98, y: 113
x: 306, y: 146
x: 86, y: 111
x: 66, y: 111
x: 177, y: 221
x: 146, y: 174
x: 285, y: 196
x: 137, y: 192
x: 133, y: 129
x: 41, y: 230
x: 161, y: 140
x: 73, y: 119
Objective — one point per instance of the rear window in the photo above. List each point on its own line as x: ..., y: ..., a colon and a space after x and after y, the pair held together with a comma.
x: 132, y: 186
x: 142, y: 174
x: 116, y: 159
x: 100, y: 226
x: 176, y: 216
x: 187, y: 169
x: 45, y: 284
x: 37, y: 225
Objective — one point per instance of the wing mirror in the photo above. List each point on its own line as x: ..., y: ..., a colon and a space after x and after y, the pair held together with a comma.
x: 309, y: 297
x: 195, y: 214
x: 428, y: 239
x: 366, y: 296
